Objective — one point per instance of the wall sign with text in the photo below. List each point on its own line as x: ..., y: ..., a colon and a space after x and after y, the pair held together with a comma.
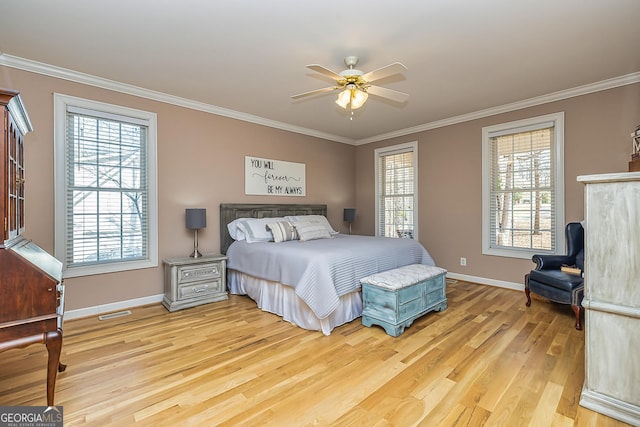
x: 273, y: 177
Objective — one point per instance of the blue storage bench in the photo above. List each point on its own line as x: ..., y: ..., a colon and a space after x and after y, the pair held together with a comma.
x: 394, y: 299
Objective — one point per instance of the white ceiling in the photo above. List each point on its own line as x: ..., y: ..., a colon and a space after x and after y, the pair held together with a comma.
x: 245, y: 58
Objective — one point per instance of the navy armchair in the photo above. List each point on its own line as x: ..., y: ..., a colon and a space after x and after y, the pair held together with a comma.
x: 548, y: 281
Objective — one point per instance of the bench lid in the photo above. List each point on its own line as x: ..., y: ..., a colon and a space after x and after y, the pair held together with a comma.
x: 403, y: 276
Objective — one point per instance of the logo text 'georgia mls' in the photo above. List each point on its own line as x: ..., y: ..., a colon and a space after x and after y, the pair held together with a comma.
x: 32, y: 416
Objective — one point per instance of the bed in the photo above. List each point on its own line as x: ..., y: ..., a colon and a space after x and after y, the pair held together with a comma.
x: 314, y: 284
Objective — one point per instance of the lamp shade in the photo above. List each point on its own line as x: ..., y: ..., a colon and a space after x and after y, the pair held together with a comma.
x: 358, y: 99
x: 349, y: 214
x: 196, y: 218
x: 344, y: 98
x: 352, y: 96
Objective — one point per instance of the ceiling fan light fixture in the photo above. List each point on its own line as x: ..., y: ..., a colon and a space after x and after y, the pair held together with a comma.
x: 344, y: 98
x: 352, y: 96
x: 358, y: 98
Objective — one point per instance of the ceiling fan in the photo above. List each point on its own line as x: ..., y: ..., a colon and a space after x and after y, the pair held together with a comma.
x: 355, y: 85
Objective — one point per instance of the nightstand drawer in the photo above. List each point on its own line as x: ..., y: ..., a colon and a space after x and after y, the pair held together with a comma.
x: 197, y: 290
x: 193, y: 273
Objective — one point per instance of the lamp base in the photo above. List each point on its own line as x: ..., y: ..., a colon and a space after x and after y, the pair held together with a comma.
x: 195, y: 253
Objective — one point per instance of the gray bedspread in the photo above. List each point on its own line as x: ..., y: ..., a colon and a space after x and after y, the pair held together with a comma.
x: 323, y: 270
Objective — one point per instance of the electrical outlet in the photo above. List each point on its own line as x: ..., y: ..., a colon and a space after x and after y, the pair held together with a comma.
x: 463, y: 261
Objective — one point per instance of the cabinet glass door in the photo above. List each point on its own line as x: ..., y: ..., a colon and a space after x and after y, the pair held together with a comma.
x: 15, y: 181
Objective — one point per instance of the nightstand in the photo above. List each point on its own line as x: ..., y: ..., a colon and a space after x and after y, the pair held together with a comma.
x: 193, y: 281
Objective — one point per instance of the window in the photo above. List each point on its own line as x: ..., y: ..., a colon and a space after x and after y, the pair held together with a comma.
x: 397, y: 190
x: 105, y: 187
x: 523, y: 187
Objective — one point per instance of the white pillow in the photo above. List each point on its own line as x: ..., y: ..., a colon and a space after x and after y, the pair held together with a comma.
x: 311, y: 231
x: 282, y: 231
x: 253, y: 229
x: 319, y: 219
x: 236, y: 232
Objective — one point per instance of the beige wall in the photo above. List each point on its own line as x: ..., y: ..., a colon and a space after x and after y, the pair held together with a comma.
x: 200, y: 164
x: 597, y: 140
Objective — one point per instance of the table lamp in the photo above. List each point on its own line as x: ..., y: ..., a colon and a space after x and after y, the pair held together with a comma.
x: 349, y: 216
x: 195, y: 219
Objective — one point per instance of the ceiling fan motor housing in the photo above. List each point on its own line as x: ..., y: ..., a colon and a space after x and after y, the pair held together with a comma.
x: 350, y: 62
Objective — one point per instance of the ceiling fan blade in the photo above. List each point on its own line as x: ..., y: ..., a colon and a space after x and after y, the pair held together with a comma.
x: 314, y: 92
x: 324, y: 71
x: 391, y: 94
x: 389, y: 70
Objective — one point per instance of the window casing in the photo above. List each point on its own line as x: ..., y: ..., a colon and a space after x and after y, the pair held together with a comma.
x: 523, y: 187
x: 105, y: 187
x: 396, y: 171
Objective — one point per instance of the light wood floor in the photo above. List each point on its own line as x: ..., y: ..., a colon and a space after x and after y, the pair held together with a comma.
x: 486, y: 360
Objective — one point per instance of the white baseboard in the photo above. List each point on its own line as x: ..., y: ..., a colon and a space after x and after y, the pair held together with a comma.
x: 114, y: 306
x: 610, y: 406
x: 485, y: 281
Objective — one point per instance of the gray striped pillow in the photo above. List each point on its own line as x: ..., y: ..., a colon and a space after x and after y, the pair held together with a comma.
x: 311, y: 231
x: 282, y: 231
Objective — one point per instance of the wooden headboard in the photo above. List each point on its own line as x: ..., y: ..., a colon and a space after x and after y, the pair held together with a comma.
x: 231, y: 211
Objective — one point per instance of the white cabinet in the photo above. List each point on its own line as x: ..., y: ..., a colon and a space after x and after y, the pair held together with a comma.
x: 612, y: 295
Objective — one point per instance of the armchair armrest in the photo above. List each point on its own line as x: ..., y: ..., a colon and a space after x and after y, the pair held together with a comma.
x: 552, y: 262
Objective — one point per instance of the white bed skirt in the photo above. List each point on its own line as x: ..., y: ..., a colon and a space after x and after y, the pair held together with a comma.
x: 282, y: 300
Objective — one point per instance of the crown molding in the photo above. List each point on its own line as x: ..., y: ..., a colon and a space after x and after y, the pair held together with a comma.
x: 77, y: 77
x: 518, y: 105
x: 74, y: 76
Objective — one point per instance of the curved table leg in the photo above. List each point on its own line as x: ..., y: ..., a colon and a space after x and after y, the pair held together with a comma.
x: 53, y: 341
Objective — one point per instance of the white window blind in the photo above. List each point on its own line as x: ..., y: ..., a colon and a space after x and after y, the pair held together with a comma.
x: 396, y: 191
x: 106, y: 204
x: 522, y: 205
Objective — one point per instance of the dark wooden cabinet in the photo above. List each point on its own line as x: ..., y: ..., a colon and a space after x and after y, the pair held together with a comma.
x: 31, y: 290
